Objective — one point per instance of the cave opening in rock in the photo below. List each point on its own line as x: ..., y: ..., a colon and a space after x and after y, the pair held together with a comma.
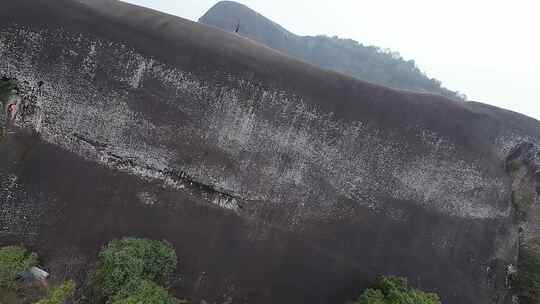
x: 8, y: 88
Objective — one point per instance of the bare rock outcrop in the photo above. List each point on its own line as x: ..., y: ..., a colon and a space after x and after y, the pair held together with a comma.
x: 276, y: 181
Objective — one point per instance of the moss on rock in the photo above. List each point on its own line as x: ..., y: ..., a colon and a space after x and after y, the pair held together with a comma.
x: 523, y: 201
x: 527, y: 280
x: 7, y: 86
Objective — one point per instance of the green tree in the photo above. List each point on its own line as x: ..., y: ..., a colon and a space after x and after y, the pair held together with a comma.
x: 394, y: 290
x: 60, y: 294
x: 132, y: 259
x: 13, y: 261
x: 143, y: 292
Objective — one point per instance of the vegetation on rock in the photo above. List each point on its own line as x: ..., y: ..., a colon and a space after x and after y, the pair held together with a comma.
x: 14, y: 260
x: 6, y: 88
x: 130, y: 271
x: 394, y: 290
x: 513, y: 167
x: 133, y: 271
x: 522, y: 202
x: 60, y: 294
x: 374, y: 64
x: 526, y: 282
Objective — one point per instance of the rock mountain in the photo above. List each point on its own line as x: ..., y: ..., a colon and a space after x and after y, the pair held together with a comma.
x: 276, y: 181
x: 347, y: 56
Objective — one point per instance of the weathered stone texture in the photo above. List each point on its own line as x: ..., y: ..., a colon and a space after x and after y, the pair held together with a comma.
x: 275, y: 181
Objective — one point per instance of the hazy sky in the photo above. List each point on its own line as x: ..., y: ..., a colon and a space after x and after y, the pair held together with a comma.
x: 487, y: 49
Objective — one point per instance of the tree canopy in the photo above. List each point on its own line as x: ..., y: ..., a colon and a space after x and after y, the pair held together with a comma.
x: 134, y: 265
x: 143, y: 292
x: 394, y: 290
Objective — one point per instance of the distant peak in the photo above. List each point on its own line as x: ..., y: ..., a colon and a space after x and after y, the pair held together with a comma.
x: 236, y: 17
x: 230, y: 5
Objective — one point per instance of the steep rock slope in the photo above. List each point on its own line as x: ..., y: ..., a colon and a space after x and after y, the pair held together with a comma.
x: 347, y: 56
x: 276, y: 181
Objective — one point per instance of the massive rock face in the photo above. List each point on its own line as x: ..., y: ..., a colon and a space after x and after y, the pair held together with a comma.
x: 347, y: 56
x: 276, y: 182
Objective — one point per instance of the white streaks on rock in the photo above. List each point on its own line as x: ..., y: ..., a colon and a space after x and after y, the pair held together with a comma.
x: 282, y: 150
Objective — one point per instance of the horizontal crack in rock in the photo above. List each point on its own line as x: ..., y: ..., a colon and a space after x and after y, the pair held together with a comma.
x: 173, y: 178
x: 95, y: 144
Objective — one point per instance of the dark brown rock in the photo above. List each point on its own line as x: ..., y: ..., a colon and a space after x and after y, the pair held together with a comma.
x: 276, y: 181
